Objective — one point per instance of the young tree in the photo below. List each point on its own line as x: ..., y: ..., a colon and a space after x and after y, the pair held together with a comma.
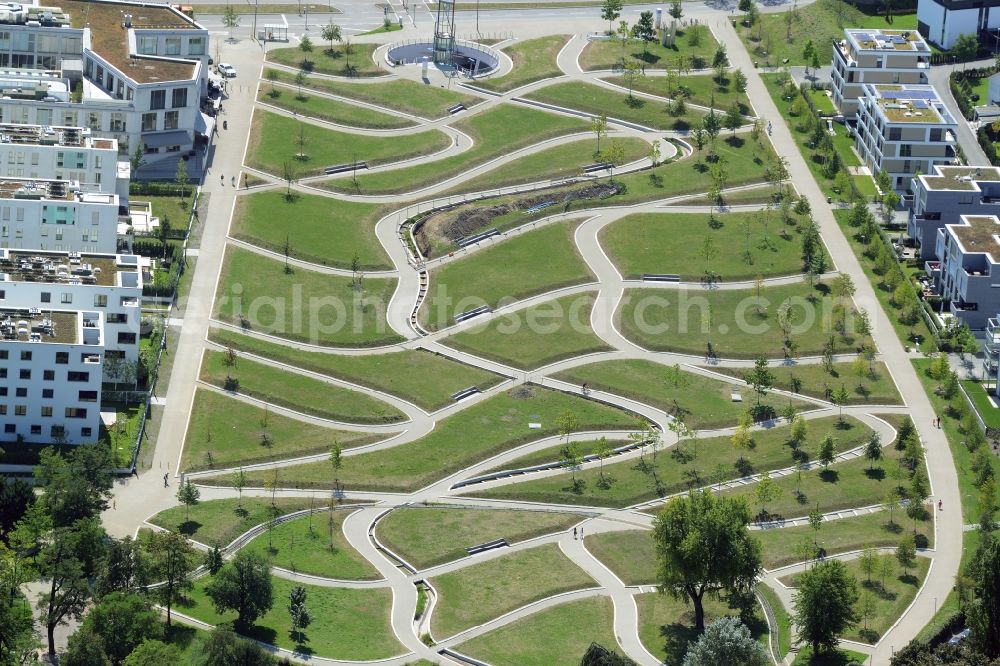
x: 827, y: 451
x: 610, y: 11
x: 841, y: 398
x: 800, y: 431
x: 239, y: 481
x: 624, y: 34
x: 336, y: 462
x: 733, y: 119
x: 726, y: 641
x: 632, y: 72
x: 181, y: 177
x: 676, y: 9
x: 290, y: 176
x: 171, y: 562
x: 690, y: 563
x: 740, y: 81
x: 868, y: 562
x: 825, y: 604
x: 808, y: 51
x: 305, y: 44
x: 599, y: 126
x: 214, y: 560
x: 766, y: 492
x: 603, y: 450
x: 572, y: 459
x: 230, y: 18
x: 654, y: 153
x: 906, y: 552
x: 873, y: 450
x: 332, y: 33
x: 645, y: 31
x: 761, y: 379
x: 243, y: 585
x: 614, y: 156
x: 188, y: 495
x: 298, y: 612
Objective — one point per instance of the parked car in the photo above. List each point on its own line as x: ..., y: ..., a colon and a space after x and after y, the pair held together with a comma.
x: 227, y: 70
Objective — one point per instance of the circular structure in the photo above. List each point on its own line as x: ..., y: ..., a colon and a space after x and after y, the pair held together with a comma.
x: 470, y: 57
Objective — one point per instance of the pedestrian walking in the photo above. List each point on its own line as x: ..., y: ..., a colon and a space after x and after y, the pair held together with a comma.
x: 165, y: 480
x: 574, y: 533
x: 581, y: 534
x: 583, y: 389
x: 234, y: 181
x: 222, y: 179
x: 940, y: 505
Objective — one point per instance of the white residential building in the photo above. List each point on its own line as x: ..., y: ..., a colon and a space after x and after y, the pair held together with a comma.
x: 50, y: 375
x: 875, y: 56
x: 141, y: 70
x: 945, y: 194
x: 902, y: 129
x: 56, y: 215
x: 942, y: 22
x: 107, y: 283
x: 967, y: 271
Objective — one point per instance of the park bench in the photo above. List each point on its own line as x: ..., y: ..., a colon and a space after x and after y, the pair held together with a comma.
x: 472, y: 240
x: 489, y: 545
x: 464, y: 393
x: 469, y: 314
x: 596, y: 166
x: 661, y: 277
x: 341, y: 168
x: 456, y: 108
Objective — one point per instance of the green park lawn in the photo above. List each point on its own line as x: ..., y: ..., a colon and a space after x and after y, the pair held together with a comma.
x: 331, y: 110
x: 298, y: 392
x: 474, y: 434
x: 225, y: 432
x: 554, y: 164
x: 666, y: 624
x: 817, y: 22
x: 426, y: 379
x: 496, y: 132
x: 757, y: 195
x: 556, y: 636
x: 358, y: 62
x: 534, y: 60
x: 274, y: 142
x: 595, y: 100
x: 257, y: 293
x: 608, y: 54
x: 532, y: 263
x: 841, y: 536
x: 875, y: 387
x: 700, y: 89
x: 891, y: 598
x: 218, y: 522
x: 702, y: 402
x: 480, y: 592
x: 317, y: 229
x: 628, y: 554
x: 346, y: 623
x: 410, y: 97
x: 982, y: 398
x: 708, y: 461
x: 838, y: 657
x: 426, y: 537
x: 842, y: 486
x: 554, y: 454
x: 747, y: 244
x: 314, y: 545
x: 534, y: 337
x: 736, y: 328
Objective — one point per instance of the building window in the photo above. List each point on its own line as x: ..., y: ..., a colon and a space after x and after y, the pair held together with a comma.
x: 48, y: 394
x: 87, y: 396
x: 20, y: 410
x: 85, y: 432
x: 76, y: 413
x: 895, y: 134
x: 47, y: 411
x: 26, y: 356
x: 9, y: 428
x: 126, y: 338
x: 4, y: 354
x: 36, y: 430
x: 149, y: 122
x: 157, y: 99
x: 3, y: 391
x: 100, y: 75
x: 57, y: 432
x: 147, y: 45
x: 46, y: 297
x: 21, y: 392
x: 49, y: 375
x: 94, y: 121
x: 101, y: 301
x: 66, y: 297
x: 25, y: 373
x: 170, y: 120
x: 117, y: 122
x: 179, y: 98
x: 117, y: 318
x: 77, y: 376
x: 196, y: 46
x: 172, y: 46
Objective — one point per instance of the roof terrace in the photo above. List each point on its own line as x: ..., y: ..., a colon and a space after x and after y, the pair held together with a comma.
x: 48, y: 326
x: 66, y: 267
x: 887, y: 40
x: 910, y: 104
x: 959, y: 178
x: 979, y: 234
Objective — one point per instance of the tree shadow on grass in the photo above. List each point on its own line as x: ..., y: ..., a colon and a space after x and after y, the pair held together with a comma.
x: 677, y: 636
x: 829, y: 476
x: 735, y: 141
x: 833, y: 658
x: 875, y: 474
x: 189, y: 527
x: 681, y: 125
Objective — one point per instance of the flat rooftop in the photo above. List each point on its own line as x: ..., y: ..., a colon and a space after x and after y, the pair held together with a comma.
x: 910, y: 103
x: 887, y: 40
x: 41, y: 135
x: 109, y: 37
x: 960, y: 178
x: 64, y: 267
x: 35, y: 325
x: 979, y: 234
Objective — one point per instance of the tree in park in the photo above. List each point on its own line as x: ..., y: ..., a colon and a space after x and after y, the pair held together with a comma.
x: 726, y: 641
x: 699, y: 136
x: 827, y: 451
x: 740, y: 81
x: 645, y: 32
x: 188, y: 495
x: 984, y: 611
x: 676, y: 9
x: 598, y: 655
x: 239, y: 481
x: 230, y: 18
x: 631, y: 72
x: 808, y: 54
x: 841, y: 398
x: 225, y: 648
x: 83, y: 648
x: 825, y: 604
x: 76, y: 486
x: 868, y: 560
x: 16, y: 497
x: 305, y: 44
x: 712, y: 124
x: 599, y: 126
x: 745, y: 6
x: 298, y: 613
x: 873, y: 450
x: 566, y: 423
x: 243, y: 585
x: 766, y: 492
x: 800, y: 430
x: 733, y: 119
x: 950, y: 387
x: 572, y: 459
x: 332, y: 33
x: 336, y: 462
x: 122, y: 621
x: 623, y: 34
x: 181, y: 178
x: 602, y: 451
x: 614, y: 156
x: 965, y: 47
x: 171, y: 560
x: 703, y: 546
x: 891, y: 502
x: 906, y: 552
x: 610, y: 11
x: 125, y: 568
x: 152, y: 652
x: 761, y: 379
x: 290, y: 176
x: 654, y: 153
x: 214, y: 560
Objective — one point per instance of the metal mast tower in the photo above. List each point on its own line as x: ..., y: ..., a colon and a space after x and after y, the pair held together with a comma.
x: 444, y: 33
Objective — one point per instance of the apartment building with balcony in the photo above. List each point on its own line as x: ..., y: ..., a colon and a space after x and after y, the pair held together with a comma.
x: 902, y: 129
x: 945, y: 194
x: 876, y: 56
x: 944, y: 21
x: 107, y: 283
x: 57, y: 215
x: 141, y: 70
x: 50, y: 375
x: 966, y: 272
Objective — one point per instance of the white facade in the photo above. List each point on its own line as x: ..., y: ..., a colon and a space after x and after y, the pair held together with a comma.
x: 107, y: 283
x: 56, y: 215
x: 50, y: 375
x: 875, y: 56
x: 942, y: 22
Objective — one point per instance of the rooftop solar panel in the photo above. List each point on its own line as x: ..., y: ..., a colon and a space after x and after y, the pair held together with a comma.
x: 896, y: 39
x: 863, y: 37
x: 921, y: 104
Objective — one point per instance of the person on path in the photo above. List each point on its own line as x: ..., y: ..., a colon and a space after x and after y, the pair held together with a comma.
x: 574, y: 534
x: 222, y: 179
x: 581, y: 534
x: 940, y: 505
x: 165, y: 480
x: 234, y: 181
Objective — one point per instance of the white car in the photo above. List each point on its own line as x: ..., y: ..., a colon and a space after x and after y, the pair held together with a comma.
x: 227, y: 70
